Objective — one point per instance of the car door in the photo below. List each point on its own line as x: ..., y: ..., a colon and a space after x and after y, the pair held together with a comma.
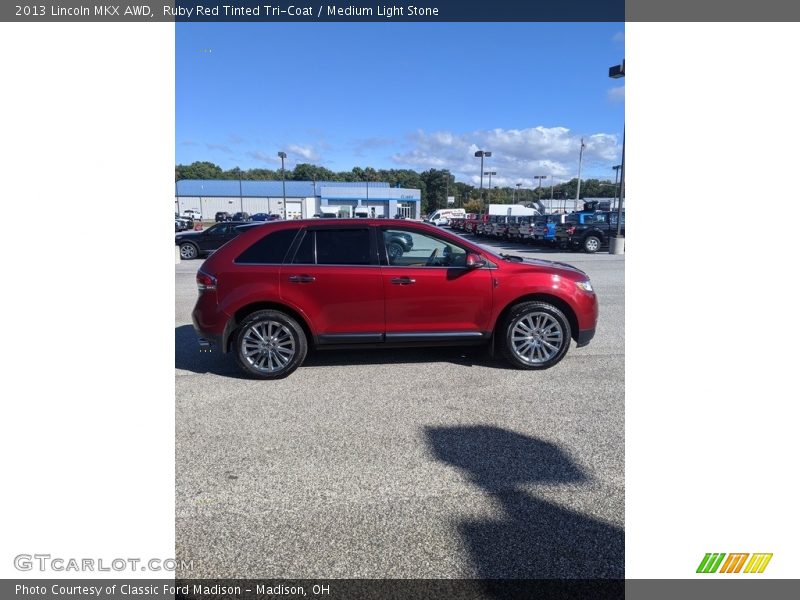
x: 221, y: 235
x: 430, y: 293
x: 207, y: 239
x: 334, y: 279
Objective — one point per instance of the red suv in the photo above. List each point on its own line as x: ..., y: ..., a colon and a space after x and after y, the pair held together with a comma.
x: 350, y: 283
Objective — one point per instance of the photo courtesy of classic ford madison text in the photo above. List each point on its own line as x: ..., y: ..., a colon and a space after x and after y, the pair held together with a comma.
x: 399, y: 308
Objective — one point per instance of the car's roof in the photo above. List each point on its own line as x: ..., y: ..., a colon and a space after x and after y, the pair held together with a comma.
x: 362, y: 221
x: 344, y: 223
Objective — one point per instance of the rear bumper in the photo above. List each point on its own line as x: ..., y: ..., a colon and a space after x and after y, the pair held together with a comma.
x: 584, y: 337
x: 215, y: 332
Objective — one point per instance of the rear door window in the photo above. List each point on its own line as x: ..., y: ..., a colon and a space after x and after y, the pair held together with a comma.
x: 336, y: 247
x: 343, y: 247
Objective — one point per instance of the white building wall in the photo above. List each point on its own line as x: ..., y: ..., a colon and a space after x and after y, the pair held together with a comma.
x: 209, y: 206
x: 309, y: 207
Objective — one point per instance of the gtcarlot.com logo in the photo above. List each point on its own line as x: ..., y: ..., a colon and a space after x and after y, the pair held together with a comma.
x: 46, y: 562
x: 712, y: 562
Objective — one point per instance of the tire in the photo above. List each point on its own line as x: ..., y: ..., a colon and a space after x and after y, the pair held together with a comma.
x: 394, y: 250
x: 591, y: 244
x: 189, y: 251
x: 534, y: 335
x: 269, y: 344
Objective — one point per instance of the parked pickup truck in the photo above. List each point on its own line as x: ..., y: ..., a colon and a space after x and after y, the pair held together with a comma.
x: 588, y: 231
x: 515, y: 227
x: 544, y: 229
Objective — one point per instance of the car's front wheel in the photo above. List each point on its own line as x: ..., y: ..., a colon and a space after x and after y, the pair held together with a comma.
x: 188, y: 251
x: 270, y: 344
x: 394, y: 250
x: 535, y: 335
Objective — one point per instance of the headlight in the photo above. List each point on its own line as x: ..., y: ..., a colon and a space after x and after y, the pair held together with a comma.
x: 586, y: 286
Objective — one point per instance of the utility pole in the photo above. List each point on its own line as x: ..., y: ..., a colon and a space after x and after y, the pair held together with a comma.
x: 241, y: 201
x: 539, y: 188
x: 446, y: 186
x: 481, y: 154
x: 580, y: 163
x: 617, y: 244
x: 282, y: 156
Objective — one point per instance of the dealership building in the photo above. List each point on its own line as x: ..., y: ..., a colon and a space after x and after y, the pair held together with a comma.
x: 304, y: 199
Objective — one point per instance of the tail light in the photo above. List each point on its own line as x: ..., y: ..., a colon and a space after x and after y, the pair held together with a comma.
x: 206, y: 282
x: 571, y: 229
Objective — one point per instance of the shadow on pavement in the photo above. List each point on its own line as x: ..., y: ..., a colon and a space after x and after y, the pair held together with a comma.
x: 537, y: 539
x: 188, y: 357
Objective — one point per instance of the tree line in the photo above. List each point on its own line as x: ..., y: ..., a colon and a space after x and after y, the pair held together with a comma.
x: 434, y: 184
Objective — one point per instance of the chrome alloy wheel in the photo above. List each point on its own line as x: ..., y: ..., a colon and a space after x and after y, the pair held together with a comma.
x: 188, y: 251
x: 536, y: 337
x: 592, y: 244
x: 268, y: 346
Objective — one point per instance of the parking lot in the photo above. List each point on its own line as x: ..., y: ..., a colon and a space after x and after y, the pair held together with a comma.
x: 418, y: 463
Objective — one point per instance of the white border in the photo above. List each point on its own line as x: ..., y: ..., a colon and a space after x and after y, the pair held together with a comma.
x: 711, y: 303
x: 87, y: 360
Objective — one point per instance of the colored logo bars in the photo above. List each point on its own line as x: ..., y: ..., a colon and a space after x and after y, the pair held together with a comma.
x: 733, y: 564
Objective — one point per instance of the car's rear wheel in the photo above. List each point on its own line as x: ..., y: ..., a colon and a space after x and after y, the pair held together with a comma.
x: 591, y: 244
x: 270, y: 344
x: 188, y: 251
x: 535, y: 335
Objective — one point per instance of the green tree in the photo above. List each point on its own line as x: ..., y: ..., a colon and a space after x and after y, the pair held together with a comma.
x: 308, y: 172
x: 198, y: 170
x: 473, y: 206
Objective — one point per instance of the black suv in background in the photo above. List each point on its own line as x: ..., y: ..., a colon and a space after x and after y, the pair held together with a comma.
x: 222, y: 216
x: 240, y: 216
x: 194, y: 244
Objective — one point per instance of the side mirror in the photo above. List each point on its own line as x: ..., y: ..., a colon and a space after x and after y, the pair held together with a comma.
x: 475, y: 261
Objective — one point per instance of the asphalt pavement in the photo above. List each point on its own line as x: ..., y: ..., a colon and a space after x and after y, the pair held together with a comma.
x: 418, y: 463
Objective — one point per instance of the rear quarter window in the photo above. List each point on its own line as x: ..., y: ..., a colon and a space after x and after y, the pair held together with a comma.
x: 270, y: 249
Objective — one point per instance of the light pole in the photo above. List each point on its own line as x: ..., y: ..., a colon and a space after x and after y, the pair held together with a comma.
x: 580, y: 163
x: 539, y: 188
x: 241, y: 200
x: 481, y: 154
x: 617, y: 244
x: 515, y: 192
x: 490, y: 173
x: 616, y: 176
x: 283, y: 180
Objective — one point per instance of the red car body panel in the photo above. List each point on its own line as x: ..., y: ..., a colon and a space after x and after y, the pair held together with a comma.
x: 438, y: 301
x: 364, y: 300
x: 341, y: 299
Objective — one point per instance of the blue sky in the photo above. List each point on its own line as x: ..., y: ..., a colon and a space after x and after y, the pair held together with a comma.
x: 402, y: 95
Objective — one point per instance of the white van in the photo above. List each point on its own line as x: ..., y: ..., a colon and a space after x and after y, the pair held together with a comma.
x: 443, y: 216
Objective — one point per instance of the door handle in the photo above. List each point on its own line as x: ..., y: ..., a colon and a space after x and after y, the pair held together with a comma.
x: 301, y: 278
x: 403, y: 281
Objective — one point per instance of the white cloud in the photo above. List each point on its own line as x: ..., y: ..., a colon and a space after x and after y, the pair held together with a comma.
x: 269, y: 159
x: 517, y: 154
x: 617, y: 94
x: 305, y: 152
x: 220, y: 147
x: 296, y: 153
